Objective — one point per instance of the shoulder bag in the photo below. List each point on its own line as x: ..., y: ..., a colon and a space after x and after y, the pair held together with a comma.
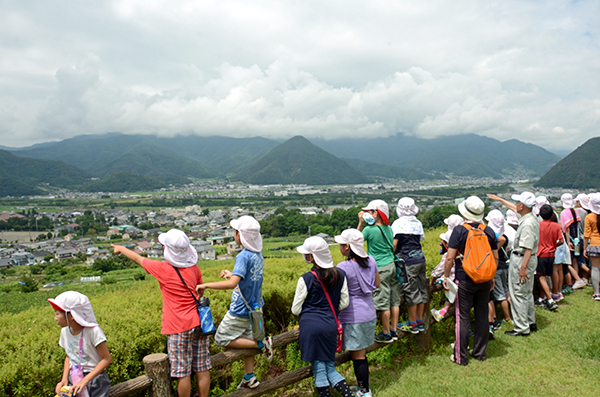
x: 256, y: 318
x: 398, y: 260
x: 340, y: 328
x: 207, y: 324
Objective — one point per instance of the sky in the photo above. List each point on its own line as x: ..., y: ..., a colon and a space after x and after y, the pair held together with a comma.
x: 514, y: 69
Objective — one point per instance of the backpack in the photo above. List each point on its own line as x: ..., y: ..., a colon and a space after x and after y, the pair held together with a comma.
x: 478, y: 261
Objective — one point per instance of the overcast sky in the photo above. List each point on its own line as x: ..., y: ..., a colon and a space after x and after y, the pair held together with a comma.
x: 519, y: 69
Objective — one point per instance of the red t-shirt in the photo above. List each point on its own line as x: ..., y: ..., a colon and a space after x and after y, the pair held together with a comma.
x: 179, y: 309
x: 550, y: 233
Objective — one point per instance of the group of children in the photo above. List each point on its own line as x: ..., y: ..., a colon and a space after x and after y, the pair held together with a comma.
x: 393, y: 267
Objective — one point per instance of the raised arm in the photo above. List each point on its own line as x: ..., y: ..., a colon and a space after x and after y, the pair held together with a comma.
x: 506, y: 203
x: 129, y: 254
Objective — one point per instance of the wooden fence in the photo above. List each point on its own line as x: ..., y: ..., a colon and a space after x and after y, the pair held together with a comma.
x: 157, y: 379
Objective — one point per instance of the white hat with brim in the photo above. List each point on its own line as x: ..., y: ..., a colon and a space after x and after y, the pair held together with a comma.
x: 594, y: 203
x: 406, y: 207
x: 78, y: 305
x: 454, y: 220
x: 584, y: 200
x: 567, y: 201
x: 319, y: 249
x: 249, y: 230
x: 539, y: 202
x: 381, y: 207
x: 446, y: 235
x: 511, y: 217
x: 178, y: 250
x: 496, y: 221
x: 355, y: 239
x: 472, y: 209
x: 525, y: 198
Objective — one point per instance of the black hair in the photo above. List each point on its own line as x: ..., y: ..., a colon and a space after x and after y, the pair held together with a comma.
x: 329, y: 277
x: 546, y: 212
x: 554, y: 218
x: 362, y: 262
x: 574, y: 216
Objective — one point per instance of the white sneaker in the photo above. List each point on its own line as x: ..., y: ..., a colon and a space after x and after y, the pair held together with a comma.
x: 268, y: 348
x: 251, y: 383
x: 579, y: 284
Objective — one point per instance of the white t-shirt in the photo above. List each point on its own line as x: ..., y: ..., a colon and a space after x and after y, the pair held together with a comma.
x: 90, y: 357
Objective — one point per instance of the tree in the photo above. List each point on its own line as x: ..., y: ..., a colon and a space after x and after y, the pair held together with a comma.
x: 29, y: 284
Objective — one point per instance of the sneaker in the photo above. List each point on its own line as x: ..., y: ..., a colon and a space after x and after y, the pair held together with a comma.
x: 587, y: 283
x: 491, y: 333
x: 550, y: 305
x: 436, y: 315
x: 596, y: 297
x: 509, y: 321
x: 406, y: 327
x: 497, y: 324
x: 579, y: 284
x: 394, y: 335
x: 561, y: 297
x: 383, y: 338
x: 251, y: 383
x: 539, y: 302
x: 268, y: 348
x: 421, y: 327
x: 565, y: 290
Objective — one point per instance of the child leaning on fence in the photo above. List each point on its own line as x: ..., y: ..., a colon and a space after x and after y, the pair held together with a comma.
x: 320, y: 295
x: 235, y: 330
x: 187, y: 347
x: 85, y: 345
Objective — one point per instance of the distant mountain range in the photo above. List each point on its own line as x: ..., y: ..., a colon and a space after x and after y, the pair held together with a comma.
x: 115, y: 159
x: 579, y: 170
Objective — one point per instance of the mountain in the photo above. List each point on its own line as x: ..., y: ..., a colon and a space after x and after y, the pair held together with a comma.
x: 157, y: 163
x: 122, y: 182
x: 467, y: 155
x: 299, y: 161
x: 389, y: 171
x: 579, y: 170
x: 20, y: 176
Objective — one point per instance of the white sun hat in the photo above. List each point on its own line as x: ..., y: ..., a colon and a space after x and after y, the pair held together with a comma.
x: 319, y: 249
x: 355, y: 239
x: 584, y: 200
x: 511, y: 217
x: 595, y: 203
x: 406, y: 207
x: 472, y: 209
x: 249, y: 230
x: 567, y: 200
x: 454, y: 220
x: 496, y: 221
x: 78, y: 305
x: 381, y: 207
x: 525, y: 198
x: 178, y: 250
x: 539, y: 202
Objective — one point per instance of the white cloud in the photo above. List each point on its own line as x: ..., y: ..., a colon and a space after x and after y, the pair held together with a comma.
x: 331, y: 69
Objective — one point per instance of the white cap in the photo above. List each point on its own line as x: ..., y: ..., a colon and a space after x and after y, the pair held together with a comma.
x: 594, y: 203
x: 511, y: 217
x: 472, y: 209
x: 319, y: 249
x: 446, y: 235
x: 178, y: 251
x: 525, y: 198
x: 78, y: 305
x: 584, y: 200
x: 381, y: 207
x: 496, y: 221
x: 567, y: 200
x: 249, y: 230
x: 406, y: 207
x: 454, y: 220
x: 355, y: 239
x: 539, y: 202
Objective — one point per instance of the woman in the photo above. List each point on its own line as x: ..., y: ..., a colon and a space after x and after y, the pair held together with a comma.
x: 319, y: 293
x: 591, y: 241
x: 360, y: 317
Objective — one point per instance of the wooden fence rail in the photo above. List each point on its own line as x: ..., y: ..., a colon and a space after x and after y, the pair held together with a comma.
x: 158, y: 380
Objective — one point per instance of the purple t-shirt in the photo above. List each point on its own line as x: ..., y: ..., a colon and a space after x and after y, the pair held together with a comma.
x: 361, y: 284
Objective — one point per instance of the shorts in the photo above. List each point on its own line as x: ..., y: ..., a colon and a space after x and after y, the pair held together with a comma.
x: 188, y: 351
x: 415, y: 288
x: 97, y: 387
x: 593, y: 251
x: 545, y: 266
x: 500, y: 285
x: 358, y: 336
x: 388, y: 293
x: 231, y: 328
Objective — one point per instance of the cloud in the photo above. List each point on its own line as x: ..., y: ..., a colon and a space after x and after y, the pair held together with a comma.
x: 320, y: 69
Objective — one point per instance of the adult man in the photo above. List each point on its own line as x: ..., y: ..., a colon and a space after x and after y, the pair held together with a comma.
x: 470, y: 294
x: 523, y: 263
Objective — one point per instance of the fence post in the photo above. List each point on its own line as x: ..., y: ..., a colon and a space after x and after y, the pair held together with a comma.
x: 157, y: 369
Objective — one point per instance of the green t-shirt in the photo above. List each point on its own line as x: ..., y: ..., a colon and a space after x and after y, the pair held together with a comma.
x: 377, y: 245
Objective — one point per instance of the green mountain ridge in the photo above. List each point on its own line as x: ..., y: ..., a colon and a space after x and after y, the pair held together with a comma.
x: 579, y: 170
x: 299, y: 161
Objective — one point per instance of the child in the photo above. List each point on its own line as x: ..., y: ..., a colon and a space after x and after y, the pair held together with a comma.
x: 359, y: 317
x: 550, y: 238
x: 178, y: 277
x: 592, y: 234
x: 235, y: 330
x: 408, y: 234
x: 84, y: 343
x: 316, y: 293
x: 452, y: 221
x: 379, y: 237
x: 569, y: 219
x: 500, y: 292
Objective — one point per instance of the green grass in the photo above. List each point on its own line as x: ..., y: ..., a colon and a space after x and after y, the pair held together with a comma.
x: 561, y: 359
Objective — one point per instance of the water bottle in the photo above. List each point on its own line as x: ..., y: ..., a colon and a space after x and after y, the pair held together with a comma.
x: 206, y: 319
x: 576, y: 247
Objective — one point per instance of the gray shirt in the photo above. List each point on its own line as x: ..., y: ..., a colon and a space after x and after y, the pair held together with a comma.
x: 528, y: 235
